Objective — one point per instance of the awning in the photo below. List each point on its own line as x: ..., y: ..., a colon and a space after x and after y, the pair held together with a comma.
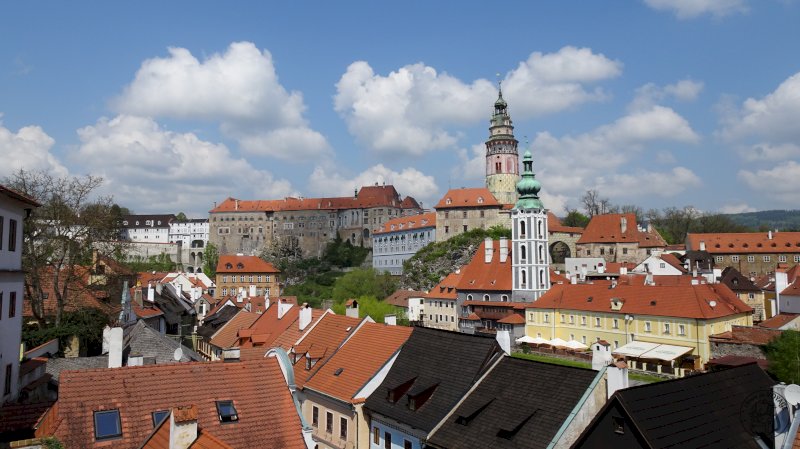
x: 666, y: 352
x: 574, y: 344
x: 635, y: 348
x: 533, y: 340
x: 558, y: 342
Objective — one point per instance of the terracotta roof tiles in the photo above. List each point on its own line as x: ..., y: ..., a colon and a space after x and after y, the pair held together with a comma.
x: 256, y: 388
x: 320, y: 343
x: 228, y: 335
x: 358, y: 359
x: 400, y: 297
x: 467, y: 197
x: 682, y: 300
x: 746, y: 335
x: 408, y: 222
x: 367, y: 197
x: 746, y: 242
x: 607, y: 228
x: 446, y: 288
x: 492, y: 276
x: 244, y: 264
x: 779, y: 320
x: 554, y: 225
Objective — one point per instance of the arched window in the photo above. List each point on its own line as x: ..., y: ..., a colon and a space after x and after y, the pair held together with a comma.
x: 486, y: 297
x: 540, y: 229
x: 523, y: 275
x: 522, y: 228
x: 523, y: 253
x: 541, y: 254
x: 469, y: 297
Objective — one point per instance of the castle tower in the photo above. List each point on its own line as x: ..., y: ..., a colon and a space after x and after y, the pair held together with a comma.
x: 502, y: 159
x: 530, y: 264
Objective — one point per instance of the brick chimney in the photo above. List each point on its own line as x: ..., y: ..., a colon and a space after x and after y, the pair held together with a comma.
x: 183, y: 427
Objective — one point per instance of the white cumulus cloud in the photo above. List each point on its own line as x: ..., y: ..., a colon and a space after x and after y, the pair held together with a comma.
x: 150, y: 169
x: 645, y: 183
x: 238, y: 89
x: 774, y: 116
x: 407, y: 182
x: 690, y: 9
x: 780, y: 183
x: 737, y: 208
x: 28, y: 149
x: 553, y: 82
x: 650, y: 94
x: 417, y: 109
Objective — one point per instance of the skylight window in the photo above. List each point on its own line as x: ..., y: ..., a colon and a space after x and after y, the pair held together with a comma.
x: 107, y: 425
x: 159, y: 416
x: 227, y: 412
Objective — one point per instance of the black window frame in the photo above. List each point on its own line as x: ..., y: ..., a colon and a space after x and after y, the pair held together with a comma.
x: 107, y: 436
x: 314, y: 416
x: 1, y: 231
x: 328, y: 422
x: 12, y: 235
x: 227, y: 418
x: 343, y: 427
x: 12, y: 304
x: 387, y: 440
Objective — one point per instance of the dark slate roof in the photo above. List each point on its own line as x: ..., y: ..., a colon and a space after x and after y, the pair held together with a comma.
x: 212, y: 323
x: 519, y: 404
x: 704, y: 411
x: 736, y: 281
x: 148, y: 342
x: 56, y: 365
x: 448, y: 363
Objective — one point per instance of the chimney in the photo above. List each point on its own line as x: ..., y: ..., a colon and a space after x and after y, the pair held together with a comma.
x: 702, y: 245
x: 304, y: 318
x: 648, y: 280
x: 623, y: 224
x: 180, y: 289
x: 616, y: 377
x: 769, y: 235
x: 230, y: 355
x: 623, y: 270
x: 488, y: 243
x: 151, y: 293
x: 573, y: 279
x: 504, y: 339
x: 237, y: 204
x: 106, y: 336
x: 352, y: 310
x: 115, y: 347
x: 252, y: 291
x: 183, y: 427
x: 503, y: 249
x: 601, y: 268
x: 781, y: 282
x: 135, y: 359
x: 601, y: 355
x: 390, y: 320
x: 240, y: 295
x: 283, y: 307
x: 137, y: 297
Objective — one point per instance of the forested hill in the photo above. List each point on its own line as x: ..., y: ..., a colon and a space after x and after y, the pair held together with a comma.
x: 782, y: 220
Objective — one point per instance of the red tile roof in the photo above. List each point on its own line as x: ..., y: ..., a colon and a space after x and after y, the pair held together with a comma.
x: 22, y: 417
x: 683, y: 300
x: 492, y: 276
x: 467, y: 197
x: 410, y: 203
x: 257, y: 389
x: 446, y: 288
x: 554, y: 225
x: 268, y: 327
x: 779, y: 320
x: 244, y: 264
x: 607, y: 228
x: 320, y: 343
x: 19, y: 196
x: 228, y: 335
x: 672, y: 260
x: 368, y: 196
x: 400, y: 297
x: 427, y: 220
x: 358, y: 360
x: 746, y: 335
x: 146, y: 312
x: 746, y: 242
x: 293, y: 333
x: 513, y: 318
x: 556, y: 278
x: 80, y: 294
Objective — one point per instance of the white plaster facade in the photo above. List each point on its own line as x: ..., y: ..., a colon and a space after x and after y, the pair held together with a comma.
x: 530, y: 256
x: 12, y: 214
x: 399, y: 239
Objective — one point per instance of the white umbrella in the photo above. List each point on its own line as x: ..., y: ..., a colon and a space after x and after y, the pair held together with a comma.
x: 533, y: 340
x: 558, y: 342
x: 574, y: 344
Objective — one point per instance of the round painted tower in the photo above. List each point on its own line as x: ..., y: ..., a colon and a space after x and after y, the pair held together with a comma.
x: 502, y: 159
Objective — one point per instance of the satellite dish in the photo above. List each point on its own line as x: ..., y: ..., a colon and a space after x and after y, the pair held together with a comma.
x: 178, y: 355
x: 792, y: 394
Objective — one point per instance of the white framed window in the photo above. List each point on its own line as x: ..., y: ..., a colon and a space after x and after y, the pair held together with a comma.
x: 767, y: 258
x: 597, y: 322
x: 751, y: 259
x: 583, y: 339
x: 647, y: 326
x: 782, y: 258
x: 681, y: 329
x: 563, y: 318
x: 796, y: 259
x: 583, y: 321
x: 572, y: 319
x: 734, y: 259
x: 546, y: 317
x: 615, y: 323
x: 718, y: 259
x: 666, y: 328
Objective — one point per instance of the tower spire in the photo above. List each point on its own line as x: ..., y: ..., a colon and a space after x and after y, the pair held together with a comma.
x: 502, y: 159
x: 528, y: 187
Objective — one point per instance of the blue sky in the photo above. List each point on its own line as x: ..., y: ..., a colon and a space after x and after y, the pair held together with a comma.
x: 181, y: 104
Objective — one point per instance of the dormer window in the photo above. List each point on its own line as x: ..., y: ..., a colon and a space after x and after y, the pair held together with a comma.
x: 480, y: 200
x: 228, y: 265
x: 448, y: 201
x: 240, y: 265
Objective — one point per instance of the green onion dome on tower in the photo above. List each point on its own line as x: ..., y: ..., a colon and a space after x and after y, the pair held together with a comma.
x: 528, y: 187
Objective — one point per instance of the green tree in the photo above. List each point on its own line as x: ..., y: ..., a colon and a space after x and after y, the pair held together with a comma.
x: 375, y: 309
x: 61, y: 235
x: 211, y: 260
x: 87, y: 324
x: 181, y: 217
x: 575, y: 219
x: 783, y: 354
x: 363, y: 282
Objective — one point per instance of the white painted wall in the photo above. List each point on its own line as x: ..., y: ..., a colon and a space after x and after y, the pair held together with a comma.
x: 11, y: 284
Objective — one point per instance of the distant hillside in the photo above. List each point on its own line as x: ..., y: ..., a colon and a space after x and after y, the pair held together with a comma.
x: 782, y: 220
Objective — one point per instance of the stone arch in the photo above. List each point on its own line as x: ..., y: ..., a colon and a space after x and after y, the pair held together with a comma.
x: 559, y: 251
